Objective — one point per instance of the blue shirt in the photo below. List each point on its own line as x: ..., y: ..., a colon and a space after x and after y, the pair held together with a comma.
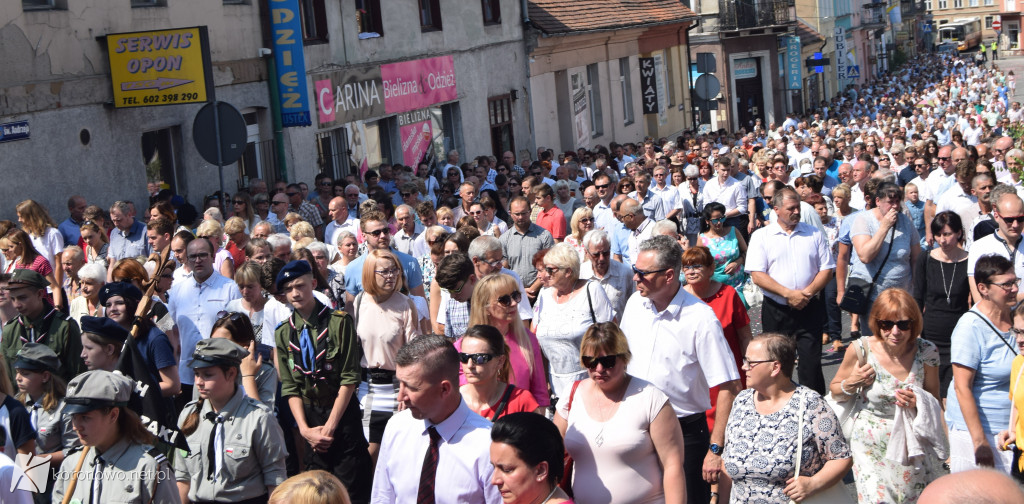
x: 354, y: 272
x: 620, y: 242
x: 975, y: 345
x: 130, y: 244
x: 71, y: 231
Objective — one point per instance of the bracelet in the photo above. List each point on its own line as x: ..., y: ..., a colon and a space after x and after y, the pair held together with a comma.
x: 247, y: 375
x: 842, y: 386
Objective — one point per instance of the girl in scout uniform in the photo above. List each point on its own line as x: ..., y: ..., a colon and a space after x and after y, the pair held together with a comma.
x: 258, y: 377
x: 237, y: 445
x: 41, y: 390
x: 118, y: 461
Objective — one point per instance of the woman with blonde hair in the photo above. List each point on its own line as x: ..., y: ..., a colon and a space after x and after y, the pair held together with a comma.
x: 495, y: 302
x: 311, y: 487
x: 385, y: 321
x: 41, y: 228
x: 223, y: 263
x: 582, y: 222
x: 242, y: 207
x: 20, y: 253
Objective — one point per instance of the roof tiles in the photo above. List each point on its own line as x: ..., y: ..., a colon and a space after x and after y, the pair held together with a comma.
x: 567, y: 16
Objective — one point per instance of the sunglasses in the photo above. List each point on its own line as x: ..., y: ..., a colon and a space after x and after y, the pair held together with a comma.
x: 232, y: 316
x: 1011, y: 220
x: 551, y: 270
x: 377, y: 233
x: 587, y: 220
x: 643, y: 274
x: 591, y: 362
x: 887, y: 325
x: 291, y: 194
x: 507, y: 299
x: 718, y: 220
x: 279, y: 203
x: 406, y: 194
x: 477, y: 358
x: 602, y: 186
x: 455, y: 290
x: 239, y: 202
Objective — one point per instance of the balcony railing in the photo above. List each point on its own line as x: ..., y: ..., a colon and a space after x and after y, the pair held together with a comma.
x: 874, y: 15
x: 747, y: 14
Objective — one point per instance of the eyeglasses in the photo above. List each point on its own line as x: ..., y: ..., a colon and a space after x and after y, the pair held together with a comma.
x: 602, y: 186
x: 643, y: 274
x: 1016, y: 331
x: 477, y: 358
x: 551, y: 270
x: 291, y: 194
x: 200, y: 255
x: 587, y: 220
x: 478, y: 212
x: 749, y: 364
x: 388, y: 273
x: 600, y: 253
x: 694, y: 267
x: 1007, y: 286
x: 606, y: 361
x: 278, y: 202
x: 495, y: 263
x: 887, y: 325
x: 507, y: 299
x: 378, y: 232
x: 456, y: 290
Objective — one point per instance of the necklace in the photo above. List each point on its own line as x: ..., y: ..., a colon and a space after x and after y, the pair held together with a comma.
x: 599, y: 440
x: 947, y: 290
x: 553, y: 490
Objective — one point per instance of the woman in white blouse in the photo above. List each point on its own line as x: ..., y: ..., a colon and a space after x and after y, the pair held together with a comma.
x: 728, y: 191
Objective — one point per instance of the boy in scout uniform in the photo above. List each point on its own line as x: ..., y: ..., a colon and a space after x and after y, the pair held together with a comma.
x: 38, y: 321
x: 318, y: 357
x: 237, y: 446
x: 121, y: 464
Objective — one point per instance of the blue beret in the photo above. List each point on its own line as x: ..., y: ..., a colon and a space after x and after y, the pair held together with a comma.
x: 291, y: 271
x: 105, y: 327
x: 124, y: 289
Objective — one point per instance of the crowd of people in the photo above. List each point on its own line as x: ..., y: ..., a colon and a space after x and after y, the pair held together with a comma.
x: 626, y: 323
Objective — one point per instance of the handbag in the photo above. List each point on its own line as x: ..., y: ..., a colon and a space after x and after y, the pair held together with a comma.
x: 752, y: 293
x: 847, y: 410
x: 835, y: 494
x: 857, y: 296
x: 566, y: 483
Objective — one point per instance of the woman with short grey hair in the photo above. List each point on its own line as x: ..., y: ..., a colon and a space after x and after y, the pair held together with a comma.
x: 92, y: 276
x: 565, y: 308
x: 691, y: 194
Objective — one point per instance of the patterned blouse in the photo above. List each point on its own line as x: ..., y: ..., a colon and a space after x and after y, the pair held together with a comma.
x: 760, y: 450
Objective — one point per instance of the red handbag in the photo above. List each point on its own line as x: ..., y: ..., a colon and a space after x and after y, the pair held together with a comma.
x: 566, y: 483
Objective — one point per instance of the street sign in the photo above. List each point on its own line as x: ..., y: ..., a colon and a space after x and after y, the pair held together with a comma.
x: 853, y: 71
x: 707, y: 87
x: 14, y: 131
x: 996, y: 24
x: 219, y: 134
x: 163, y: 67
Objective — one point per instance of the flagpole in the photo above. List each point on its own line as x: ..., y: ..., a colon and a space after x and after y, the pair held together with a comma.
x: 74, y: 476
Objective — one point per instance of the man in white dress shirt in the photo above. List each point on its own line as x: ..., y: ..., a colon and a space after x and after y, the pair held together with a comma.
x: 614, y: 277
x: 791, y: 262
x: 454, y: 441
x: 341, y: 220
x: 678, y: 345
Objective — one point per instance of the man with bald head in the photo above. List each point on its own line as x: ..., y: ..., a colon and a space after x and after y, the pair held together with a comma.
x: 858, y: 177
x: 631, y: 214
x: 977, y: 486
x: 341, y: 220
x: 1006, y: 241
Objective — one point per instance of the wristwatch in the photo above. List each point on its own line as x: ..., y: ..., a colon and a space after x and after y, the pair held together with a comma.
x: 717, y: 449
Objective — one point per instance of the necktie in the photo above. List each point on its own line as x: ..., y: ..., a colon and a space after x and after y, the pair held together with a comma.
x: 97, y: 478
x: 215, y: 450
x: 34, y: 417
x: 427, y: 475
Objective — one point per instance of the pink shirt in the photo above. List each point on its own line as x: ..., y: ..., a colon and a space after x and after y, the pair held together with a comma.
x: 553, y: 220
x: 521, y: 377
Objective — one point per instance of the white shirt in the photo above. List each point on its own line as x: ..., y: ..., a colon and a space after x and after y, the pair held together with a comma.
x: 924, y: 191
x: 463, y: 464
x: 681, y: 349
x: 403, y: 241
x: 194, y: 307
x: 419, y: 245
x: 955, y: 200
x: 732, y: 194
x: 856, y: 197
x: 669, y: 197
x: 49, y: 245
x: 638, y: 236
x: 333, y: 229
x: 617, y: 284
x: 791, y: 259
x: 10, y: 475
x: 604, y: 217
x: 994, y: 244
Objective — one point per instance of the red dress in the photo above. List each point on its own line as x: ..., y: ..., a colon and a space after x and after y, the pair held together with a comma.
x: 731, y: 313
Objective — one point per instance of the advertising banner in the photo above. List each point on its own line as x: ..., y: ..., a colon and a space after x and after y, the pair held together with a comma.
x: 163, y: 67
x: 416, y: 137
x: 648, y: 86
x: 411, y: 85
x: 286, y: 29
x: 349, y: 95
x: 793, y: 68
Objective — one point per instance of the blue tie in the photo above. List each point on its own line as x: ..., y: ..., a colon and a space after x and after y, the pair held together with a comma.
x: 308, y: 349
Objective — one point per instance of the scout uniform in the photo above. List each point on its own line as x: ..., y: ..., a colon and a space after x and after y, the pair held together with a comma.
x: 52, y: 328
x: 127, y: 471
x: 247, y: 454
x: 53, y: 429
x: 316, y: 357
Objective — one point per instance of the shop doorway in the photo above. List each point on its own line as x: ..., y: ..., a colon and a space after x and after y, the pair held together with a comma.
x: 749, y: 96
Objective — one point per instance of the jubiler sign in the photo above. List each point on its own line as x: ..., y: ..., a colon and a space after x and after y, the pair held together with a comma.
x: 164, y: 67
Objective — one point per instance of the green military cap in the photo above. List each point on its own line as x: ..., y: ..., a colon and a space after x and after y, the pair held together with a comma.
x: 27, y: 278
x: 217, y: 352
x: 37, y: 357
x: 97, y: 389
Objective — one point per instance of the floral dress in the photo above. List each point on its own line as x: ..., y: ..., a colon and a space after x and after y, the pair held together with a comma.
x: 879, y: 479
x: 725, y: 250
x: 761, y: 453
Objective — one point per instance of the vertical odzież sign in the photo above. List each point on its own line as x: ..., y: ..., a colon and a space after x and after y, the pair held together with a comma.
x: 286, y: 29
x: 793, y: 69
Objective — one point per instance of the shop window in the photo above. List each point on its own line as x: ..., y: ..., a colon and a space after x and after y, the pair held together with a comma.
x: 148, y: 3
x: 38, y: 4
x: 160, y: 155
x: 988, y: 22
x: 499, y: 111
x: 492, y: 11
x: 332, y: 152
x: 594, y: 99
x: 430, y: 15
x: 368, y: 19
x: 314, y: 21
x: 260, y: 157
x: 626, y: 82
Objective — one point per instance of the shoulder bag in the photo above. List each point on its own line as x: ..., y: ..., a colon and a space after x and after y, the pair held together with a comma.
x: 503, y: 403
x: 998, y: 334
x: 835, y: 494
x: 857, y: 296
x: 848, y: 408
x: 566, y: 483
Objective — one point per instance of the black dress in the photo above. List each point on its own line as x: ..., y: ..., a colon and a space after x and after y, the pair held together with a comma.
x: 932, y: 279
